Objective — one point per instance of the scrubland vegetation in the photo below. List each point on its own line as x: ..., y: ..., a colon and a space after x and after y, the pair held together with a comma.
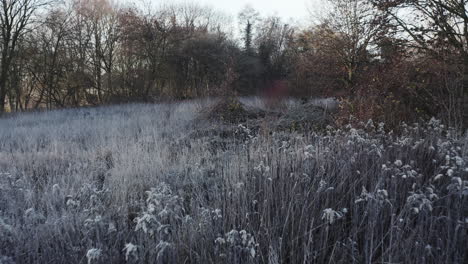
x: 161, y: 183
x: 174, y: 133
x: 390, y: 61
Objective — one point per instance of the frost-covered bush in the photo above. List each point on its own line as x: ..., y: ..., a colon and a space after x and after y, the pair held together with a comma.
x: 132, y: 184
x: 236, y: 247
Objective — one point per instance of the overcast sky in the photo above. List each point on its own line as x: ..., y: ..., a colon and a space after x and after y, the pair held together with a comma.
x: 284, y: 8
x: 287, y: 9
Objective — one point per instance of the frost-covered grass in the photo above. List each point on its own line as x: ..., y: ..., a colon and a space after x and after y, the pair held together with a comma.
x: 136, y: 184
x: 261, y: 103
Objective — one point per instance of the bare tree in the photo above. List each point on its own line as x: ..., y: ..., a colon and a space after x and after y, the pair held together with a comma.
x: 111, y: 35
x: 48, y: 65
x: 354, y: 26
x: 15, y: 16
x: 273, y: 41
x: 439, y: 27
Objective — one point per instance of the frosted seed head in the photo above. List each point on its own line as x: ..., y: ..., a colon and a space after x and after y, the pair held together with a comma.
x: 93, y: 254
x: 130, y: 251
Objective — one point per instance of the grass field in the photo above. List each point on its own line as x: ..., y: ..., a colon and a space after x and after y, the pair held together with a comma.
x: 160, y: 184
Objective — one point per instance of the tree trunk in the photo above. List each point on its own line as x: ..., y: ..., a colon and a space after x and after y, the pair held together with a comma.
x: 465, y: 94
x: 465, y: 106
x: 2, y: 100
x: 3, y: 90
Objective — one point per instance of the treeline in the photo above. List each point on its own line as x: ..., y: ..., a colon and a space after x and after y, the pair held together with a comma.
x: 89, y: 52
x: 389, y: 60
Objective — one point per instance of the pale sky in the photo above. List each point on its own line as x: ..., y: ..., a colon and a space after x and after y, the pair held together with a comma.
x: 294, y: 12
x: 295, y: 9
x: 287, y: 9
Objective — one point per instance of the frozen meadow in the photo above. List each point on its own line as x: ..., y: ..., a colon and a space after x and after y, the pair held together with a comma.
x: 158, y: 183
